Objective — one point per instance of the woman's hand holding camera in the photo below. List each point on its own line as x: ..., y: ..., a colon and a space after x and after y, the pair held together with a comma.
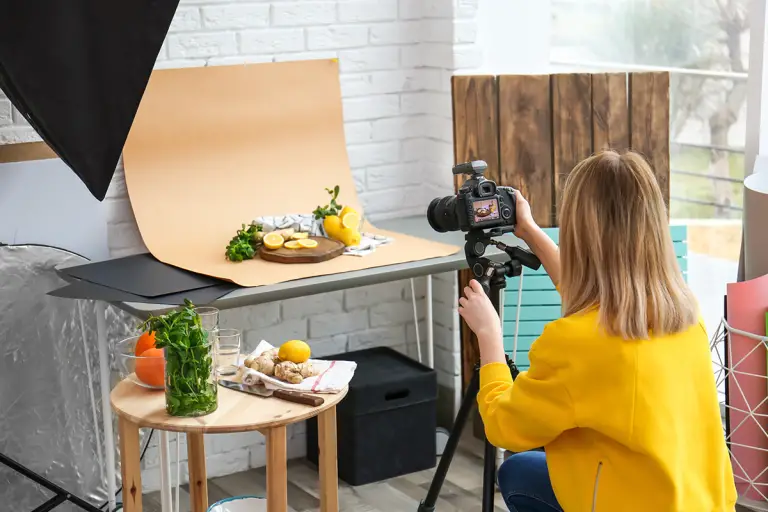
x: 537, y: 240
x: 525, y: 223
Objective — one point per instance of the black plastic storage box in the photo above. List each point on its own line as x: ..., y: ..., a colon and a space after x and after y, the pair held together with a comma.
x: 386, y: 424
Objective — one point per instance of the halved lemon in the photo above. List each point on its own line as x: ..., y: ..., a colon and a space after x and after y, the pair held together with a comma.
x: 351, y: 220
x: 293, y: 244
x: 273, y: 241
x: 299, y: 236
x: 308, y: 244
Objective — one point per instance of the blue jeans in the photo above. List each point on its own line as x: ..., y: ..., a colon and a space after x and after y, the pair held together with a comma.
x: 524, y: 484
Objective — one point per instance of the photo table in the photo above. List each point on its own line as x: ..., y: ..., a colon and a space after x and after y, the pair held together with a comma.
x: 139, y: 407
x: 249, y: 296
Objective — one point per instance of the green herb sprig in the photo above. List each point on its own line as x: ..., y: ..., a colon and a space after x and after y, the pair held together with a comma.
x: 332, y: 208
x: 189, y: 387
x: 244, y: 244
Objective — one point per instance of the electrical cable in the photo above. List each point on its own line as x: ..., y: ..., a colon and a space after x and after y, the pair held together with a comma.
x: 141, y: 457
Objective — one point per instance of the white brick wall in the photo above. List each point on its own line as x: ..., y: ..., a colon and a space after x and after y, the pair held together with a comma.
x: 396, y: 58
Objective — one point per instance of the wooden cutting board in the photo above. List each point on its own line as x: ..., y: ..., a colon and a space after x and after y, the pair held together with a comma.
x: 326, y: 249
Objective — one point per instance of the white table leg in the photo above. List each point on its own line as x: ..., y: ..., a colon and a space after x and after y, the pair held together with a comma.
x: 178, y: 471
x: 430, y: 326
x: 106, y: 406
x: 165, y: 473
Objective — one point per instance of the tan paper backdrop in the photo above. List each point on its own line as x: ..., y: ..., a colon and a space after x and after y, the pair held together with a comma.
x: 215, y: 147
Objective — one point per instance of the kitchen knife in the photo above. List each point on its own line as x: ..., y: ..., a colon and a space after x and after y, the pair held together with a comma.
x: 289, y: 396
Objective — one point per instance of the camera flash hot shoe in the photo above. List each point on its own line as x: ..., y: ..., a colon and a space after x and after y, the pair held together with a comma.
x: 492, y: 276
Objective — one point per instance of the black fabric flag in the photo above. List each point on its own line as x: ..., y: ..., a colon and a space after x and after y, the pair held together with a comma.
x: 76, y: 70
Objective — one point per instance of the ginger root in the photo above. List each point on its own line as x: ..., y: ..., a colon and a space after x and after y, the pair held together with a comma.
x: 263, y: 364
x: 272, y: 354
x: 307, y: 370
x: 289, y: 372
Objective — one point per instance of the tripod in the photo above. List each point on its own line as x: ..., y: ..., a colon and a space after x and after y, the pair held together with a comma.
x: 492, y: 277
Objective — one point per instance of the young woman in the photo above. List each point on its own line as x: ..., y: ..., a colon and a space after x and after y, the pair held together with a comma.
x: 620, y: 392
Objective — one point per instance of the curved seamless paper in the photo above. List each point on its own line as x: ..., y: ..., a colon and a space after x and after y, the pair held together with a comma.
x: 215, y: 147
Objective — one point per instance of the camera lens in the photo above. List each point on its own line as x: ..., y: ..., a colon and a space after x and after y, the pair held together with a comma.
x: 442, y: 215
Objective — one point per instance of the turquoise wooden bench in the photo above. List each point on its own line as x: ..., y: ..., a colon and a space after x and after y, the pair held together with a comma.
x: 541, y: 302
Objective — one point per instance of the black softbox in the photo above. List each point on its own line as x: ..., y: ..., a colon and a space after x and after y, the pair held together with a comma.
x: 76, y: 70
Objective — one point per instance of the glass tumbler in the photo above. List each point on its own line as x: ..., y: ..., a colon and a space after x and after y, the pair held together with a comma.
x: 227, y: 350
x: 209, y: 317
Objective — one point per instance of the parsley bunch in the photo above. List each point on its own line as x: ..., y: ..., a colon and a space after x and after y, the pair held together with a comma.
x: 244, y: 244
x: 332, y: 208
x: 190, y: 387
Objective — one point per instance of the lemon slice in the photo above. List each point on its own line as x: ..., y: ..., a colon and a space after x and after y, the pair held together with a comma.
x: 293, y: 244
x: 308, y: 244
x: 273, y: 241
x: 299, y: 236
x: 351, y: 220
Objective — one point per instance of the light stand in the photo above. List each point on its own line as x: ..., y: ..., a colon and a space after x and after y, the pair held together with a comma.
x: 492, y: 276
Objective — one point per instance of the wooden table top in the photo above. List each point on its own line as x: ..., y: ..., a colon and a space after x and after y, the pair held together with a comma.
x: 237, y: 411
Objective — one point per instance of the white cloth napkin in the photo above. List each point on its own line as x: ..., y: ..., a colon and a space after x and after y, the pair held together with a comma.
x: 333, y: 376
x: 368, y: 244
x: 300, y: 222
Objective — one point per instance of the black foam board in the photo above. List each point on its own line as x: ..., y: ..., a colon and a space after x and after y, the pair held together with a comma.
x: 141, y: 274
x: 87, y: 290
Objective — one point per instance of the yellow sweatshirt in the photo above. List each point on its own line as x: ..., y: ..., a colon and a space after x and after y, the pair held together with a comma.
x: 627, y: 425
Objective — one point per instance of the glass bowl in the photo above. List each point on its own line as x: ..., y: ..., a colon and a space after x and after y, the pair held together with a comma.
x: 148, y: 372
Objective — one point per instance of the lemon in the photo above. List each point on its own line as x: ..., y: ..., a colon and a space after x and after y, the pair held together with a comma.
x: 293, y: 244
x: 307, y: 243
x: 346, y: 210
x: 295, y: 351
x: 351, y: 220
x: 332, y: 225
x: 349, y: 237
x: 273, y: 240
x: 299, y: 236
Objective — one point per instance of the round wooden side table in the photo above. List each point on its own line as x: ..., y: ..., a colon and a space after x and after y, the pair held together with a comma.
x: 138, y: 407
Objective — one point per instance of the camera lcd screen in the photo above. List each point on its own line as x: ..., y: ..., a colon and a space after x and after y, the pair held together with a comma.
x: 486, y: 209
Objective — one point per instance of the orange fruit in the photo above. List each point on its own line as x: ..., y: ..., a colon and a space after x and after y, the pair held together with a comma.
x: 146, y: 341
x: 150, y: 367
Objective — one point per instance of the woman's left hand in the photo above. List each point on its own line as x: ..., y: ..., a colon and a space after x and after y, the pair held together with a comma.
x: 476, y: 309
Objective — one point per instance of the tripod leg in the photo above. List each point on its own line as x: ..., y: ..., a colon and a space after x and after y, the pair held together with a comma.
x: 489, y: 476
x: 467, y: 403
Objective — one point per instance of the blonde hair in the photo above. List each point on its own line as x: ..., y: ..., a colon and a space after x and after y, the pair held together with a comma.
x: 616, y: 252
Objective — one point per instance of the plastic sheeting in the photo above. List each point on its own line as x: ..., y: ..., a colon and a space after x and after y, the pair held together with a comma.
x: 50, y: 407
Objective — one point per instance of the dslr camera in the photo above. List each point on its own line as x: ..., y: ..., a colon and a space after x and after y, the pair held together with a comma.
x: 478, y: 205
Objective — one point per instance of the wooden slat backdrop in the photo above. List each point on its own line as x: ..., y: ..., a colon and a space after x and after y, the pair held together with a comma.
x: 476, y: 137
x: 571, y: 125
x: 610, y: 112
x: 649, y: 122
x: 532, y: 130
x: 476, y: 123
x: 525, y: 115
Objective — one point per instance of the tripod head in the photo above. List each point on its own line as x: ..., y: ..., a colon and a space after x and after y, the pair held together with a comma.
x: 491, y: 274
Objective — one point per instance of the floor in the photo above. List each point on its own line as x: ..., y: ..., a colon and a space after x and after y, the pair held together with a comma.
x: 461, y: 491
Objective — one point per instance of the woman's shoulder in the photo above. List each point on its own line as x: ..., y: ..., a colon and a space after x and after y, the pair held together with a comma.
x: 565, y: 336
x: 582, y: 324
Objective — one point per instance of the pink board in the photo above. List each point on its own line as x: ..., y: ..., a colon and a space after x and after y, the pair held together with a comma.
x: 747, y: 394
